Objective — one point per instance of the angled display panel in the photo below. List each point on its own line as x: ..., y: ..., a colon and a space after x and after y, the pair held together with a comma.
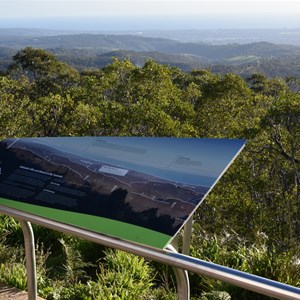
x: 132, y: 188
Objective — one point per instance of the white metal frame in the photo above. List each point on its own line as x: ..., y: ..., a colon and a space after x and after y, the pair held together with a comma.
x: 182, y: 263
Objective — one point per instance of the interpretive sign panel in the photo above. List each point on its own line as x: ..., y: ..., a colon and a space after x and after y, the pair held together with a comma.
x: 134, y: 188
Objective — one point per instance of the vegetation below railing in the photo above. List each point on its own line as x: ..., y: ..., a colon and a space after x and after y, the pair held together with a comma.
x: 71, y: 268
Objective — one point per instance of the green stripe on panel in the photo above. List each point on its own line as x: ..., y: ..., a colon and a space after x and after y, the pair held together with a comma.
x: 105, y: 226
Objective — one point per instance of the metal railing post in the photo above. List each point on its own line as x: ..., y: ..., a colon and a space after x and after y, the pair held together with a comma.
x: 182, y: 280
x: 30, y: 259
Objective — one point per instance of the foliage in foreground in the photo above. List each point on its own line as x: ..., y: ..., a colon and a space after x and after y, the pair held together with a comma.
x: 114, y: 274
x: 118, y: 275
x: 229, y: 249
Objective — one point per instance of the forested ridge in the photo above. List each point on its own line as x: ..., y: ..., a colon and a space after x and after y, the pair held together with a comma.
x: 87, y: 50
x: 251, y: 219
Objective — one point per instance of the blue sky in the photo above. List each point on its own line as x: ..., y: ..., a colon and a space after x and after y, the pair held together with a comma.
x: 238, y: 13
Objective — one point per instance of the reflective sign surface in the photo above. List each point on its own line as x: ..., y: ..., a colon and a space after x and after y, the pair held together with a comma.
x: 138, y: 189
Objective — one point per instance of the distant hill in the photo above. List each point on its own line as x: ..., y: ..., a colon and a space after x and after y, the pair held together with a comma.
x: 287, y: 36
x: 106, y: 43
x: 102, y: 42
x: 97, y: 50
x: 224, y: 52
x: 87, y: 59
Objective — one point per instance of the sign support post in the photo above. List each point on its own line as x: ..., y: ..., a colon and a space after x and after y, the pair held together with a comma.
x: 187, y: 236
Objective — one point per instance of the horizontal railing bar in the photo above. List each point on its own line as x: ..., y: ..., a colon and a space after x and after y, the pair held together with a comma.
x: 238, y: 278
x: 248, y: 281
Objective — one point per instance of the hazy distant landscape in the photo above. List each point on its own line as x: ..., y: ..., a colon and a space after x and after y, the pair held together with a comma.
x: 273, y: 52
x: 214, y: 36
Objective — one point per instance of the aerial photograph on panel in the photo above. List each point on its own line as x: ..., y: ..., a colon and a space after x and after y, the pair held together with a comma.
x: 154, y: 183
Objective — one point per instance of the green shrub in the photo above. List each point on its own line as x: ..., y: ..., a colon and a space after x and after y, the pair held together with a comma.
x: 12, y: 267
x: 14, y: 274
x: 10, y: 231
x: 216, y: 295
x: 123, y: 276
x: 232, y: 251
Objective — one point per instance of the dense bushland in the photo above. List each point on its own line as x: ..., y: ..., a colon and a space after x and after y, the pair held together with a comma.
x: 250, y: 221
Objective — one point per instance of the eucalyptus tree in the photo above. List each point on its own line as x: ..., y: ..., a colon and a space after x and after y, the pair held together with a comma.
x: 46, y: 73
x: 155, y: 105
x: 226, y: 106
x: 281, y: 125
x: 14, y: 101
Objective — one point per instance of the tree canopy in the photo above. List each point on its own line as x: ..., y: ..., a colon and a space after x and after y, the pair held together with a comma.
x: 41, y: 96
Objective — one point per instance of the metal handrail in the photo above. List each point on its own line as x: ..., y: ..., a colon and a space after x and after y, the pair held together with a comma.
x: 242, y: 279
x: 30, y: 259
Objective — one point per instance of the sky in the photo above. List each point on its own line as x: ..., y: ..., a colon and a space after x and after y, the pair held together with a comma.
x: 238, y: 13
